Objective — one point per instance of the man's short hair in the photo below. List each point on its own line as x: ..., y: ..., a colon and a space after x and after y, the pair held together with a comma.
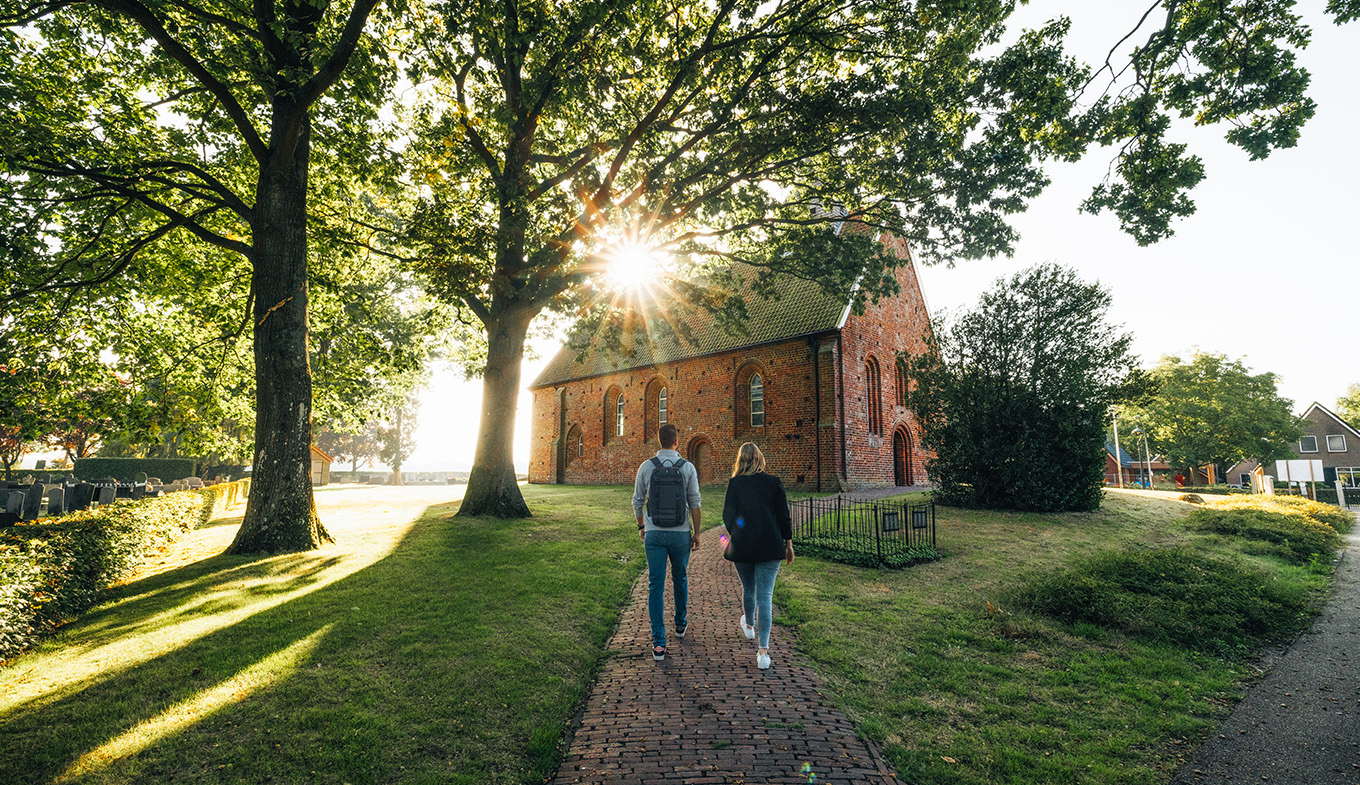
x: 668, y: 435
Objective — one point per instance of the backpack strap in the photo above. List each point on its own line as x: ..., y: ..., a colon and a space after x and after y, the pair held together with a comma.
x: 656, y: 462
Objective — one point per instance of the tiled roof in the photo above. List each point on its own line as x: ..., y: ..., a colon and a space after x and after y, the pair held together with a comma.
x: 796, y: 308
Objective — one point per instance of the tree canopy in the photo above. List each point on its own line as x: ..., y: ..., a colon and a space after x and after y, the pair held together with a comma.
x: 1348, y: 405
x: 1012, y: 399
x: 1213, y: 410
x: 555, y: 139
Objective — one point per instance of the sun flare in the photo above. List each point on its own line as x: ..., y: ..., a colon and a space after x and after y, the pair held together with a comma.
x: 631, y: 265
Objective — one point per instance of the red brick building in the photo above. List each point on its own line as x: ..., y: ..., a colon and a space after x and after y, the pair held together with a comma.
x: 816, y: 386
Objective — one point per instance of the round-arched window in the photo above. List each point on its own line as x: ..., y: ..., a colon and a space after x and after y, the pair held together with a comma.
x: 757, y: 400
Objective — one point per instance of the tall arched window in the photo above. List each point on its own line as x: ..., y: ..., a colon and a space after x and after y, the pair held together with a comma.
x: 661, y: 407
x: 613, y: 413
x: 873, y: 395
x: 757, y: 401
x: 901, y: 383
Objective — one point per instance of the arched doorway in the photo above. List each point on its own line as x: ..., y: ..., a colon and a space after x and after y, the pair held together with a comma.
x: 901, y: 457
x: 700, y: 453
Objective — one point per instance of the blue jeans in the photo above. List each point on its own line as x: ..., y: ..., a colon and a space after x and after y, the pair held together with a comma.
x: 757, y: 595
x: 661, y: 546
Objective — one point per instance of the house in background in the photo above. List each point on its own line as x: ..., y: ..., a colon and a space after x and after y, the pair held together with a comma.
x: 321, y: 467
x: 1135, y: 470
x: 1327, y: 438
x: 817, y: 387
x: 1332, y: 440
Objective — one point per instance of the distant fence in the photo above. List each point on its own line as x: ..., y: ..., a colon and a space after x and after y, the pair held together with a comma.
x: 892, y: 533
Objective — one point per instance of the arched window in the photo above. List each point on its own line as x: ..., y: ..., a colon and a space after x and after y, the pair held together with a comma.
x: 873, y: 395
x: 757, y: 401
x: 661, y: 407
x: 576, y: 444
x: 751, y: 400
x: 613, y: 413
x: 901, y: 383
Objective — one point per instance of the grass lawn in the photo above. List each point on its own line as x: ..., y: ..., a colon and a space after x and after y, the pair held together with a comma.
x: 419, y: 648
x: 426, y: 648
x: 939, y: 665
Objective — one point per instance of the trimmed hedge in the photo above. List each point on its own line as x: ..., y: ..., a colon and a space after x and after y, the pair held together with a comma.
x: 50, y: 572
x: 126, y: 469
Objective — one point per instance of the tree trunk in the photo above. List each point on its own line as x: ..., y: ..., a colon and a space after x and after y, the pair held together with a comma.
x: 492, y: 486
x: 281, y: 513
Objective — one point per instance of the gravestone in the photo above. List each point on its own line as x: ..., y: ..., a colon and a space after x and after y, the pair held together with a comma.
x: 81, y: 496
x: 14, y: 507
x: 33, y: 499
x: 139, y: 477
x: 106, y: 495
x: 123, y: 491
x: 56, y: 501
x: 138, y: 490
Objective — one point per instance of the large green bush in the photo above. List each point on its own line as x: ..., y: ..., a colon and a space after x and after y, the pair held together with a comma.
x: 1173, y: 595
x: 51, y: 571
x: 126, y: 469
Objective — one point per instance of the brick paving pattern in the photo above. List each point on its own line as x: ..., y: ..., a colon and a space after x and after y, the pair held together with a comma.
x: 707, y: 715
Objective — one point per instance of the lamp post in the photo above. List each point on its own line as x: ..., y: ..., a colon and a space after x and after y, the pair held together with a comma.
x: 1118, y: 462
x: 1146, y: 454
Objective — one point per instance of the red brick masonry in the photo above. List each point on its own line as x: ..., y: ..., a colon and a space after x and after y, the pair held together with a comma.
x: 707, y: 715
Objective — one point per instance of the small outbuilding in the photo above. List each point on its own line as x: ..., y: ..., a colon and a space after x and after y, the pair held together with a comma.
x: 321, y: 467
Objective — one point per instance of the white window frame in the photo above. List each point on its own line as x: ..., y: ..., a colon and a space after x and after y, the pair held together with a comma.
x: 661, y: 407
x: 1340, y: 436
x: 1303, y: 440
x: 580, y: 444
x: 756, y: 398
x: 1353, y: 472
x: 618, y: 416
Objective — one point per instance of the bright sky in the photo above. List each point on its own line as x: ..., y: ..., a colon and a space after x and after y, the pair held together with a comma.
x: 1265, y: 271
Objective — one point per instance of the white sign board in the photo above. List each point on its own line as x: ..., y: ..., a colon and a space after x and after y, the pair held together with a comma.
x: 1299, y: 471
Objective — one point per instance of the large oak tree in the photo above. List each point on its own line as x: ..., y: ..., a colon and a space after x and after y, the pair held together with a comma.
x: 556, y: 134
x: 136, y: 125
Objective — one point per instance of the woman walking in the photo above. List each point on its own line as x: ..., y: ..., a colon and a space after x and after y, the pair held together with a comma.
x: 756, y: 514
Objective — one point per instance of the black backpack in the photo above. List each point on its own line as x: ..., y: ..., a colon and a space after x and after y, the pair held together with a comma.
x: 666, y: 494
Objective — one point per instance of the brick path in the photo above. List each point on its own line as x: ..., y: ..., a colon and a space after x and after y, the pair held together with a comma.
x: 707, y: 715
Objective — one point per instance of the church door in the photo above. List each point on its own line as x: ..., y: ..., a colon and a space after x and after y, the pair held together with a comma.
x: 901, y: 458
x: 699, y: 456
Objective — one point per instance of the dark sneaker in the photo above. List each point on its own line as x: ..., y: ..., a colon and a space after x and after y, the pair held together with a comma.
x: 658, y: 653
x: 681, y: 630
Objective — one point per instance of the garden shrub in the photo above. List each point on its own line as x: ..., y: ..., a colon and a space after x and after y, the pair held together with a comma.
x: 126, y: 469
x: 863, y: 552
x: 1173, y: 595
x: 54, y: 569
x: 1295, y: 528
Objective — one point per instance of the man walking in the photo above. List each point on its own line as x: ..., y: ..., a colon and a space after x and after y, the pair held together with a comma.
x: 669, y: 486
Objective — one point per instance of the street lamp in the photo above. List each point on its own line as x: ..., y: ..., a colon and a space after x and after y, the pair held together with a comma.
x: 1146, y: 454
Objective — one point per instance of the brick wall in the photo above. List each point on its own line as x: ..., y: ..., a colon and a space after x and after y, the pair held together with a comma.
x: 707, y: 402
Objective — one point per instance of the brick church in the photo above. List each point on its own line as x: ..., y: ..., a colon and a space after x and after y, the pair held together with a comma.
x: 818, y: 388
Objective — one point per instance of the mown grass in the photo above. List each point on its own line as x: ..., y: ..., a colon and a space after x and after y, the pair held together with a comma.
x: 445, y: 650
x: 962, y: 675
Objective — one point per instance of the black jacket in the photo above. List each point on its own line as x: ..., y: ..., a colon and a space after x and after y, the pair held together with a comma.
x: 756, y: 514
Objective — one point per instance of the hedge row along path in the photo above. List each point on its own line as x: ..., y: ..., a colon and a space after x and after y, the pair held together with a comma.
x: 707, y: 715
x: 1301, y: 724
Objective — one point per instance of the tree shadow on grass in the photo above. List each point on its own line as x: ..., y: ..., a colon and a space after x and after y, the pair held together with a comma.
x: 368, y: 678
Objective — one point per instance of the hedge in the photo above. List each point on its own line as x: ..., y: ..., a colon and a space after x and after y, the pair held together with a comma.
x: 127, y: 469
x: 50, y: 572
x: 1291, y: 527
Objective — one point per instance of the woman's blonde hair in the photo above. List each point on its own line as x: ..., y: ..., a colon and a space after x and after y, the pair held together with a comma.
x: 749, y: 460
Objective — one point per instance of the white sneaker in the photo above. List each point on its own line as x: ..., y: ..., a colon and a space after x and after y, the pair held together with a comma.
x: 747, y: 630
x: 763, y: 661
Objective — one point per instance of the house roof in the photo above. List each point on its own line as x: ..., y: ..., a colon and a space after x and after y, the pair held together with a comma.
x: 797, y: 308
x: 1124, y: 458
x: 1319, y: 407
x: 318, y: 451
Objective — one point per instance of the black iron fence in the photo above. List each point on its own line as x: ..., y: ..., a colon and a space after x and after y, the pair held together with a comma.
x: 884, y: 532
